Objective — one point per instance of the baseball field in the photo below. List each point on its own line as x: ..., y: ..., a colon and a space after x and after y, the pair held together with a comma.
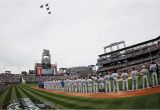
x: 62, y: 101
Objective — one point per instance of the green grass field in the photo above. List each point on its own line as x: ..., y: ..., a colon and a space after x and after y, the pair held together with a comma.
x: 68, y: 102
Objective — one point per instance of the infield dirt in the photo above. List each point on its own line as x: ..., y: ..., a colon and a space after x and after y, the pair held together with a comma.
x: 121, y: 94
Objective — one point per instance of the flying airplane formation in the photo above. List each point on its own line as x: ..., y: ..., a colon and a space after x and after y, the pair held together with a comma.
x: 46, y: 6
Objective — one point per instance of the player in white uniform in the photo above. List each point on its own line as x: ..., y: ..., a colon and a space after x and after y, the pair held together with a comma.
x: 89, y: 85
x: 75, y: 85
x: 72, y: 85
x: 59, y: 85
x: 134, y: 74
x: 52, y: 85
x: 101, y: 83
x: 115, y: 77
x: 78, y: 84
x: 56, y: 85
x: 45, y: 85
x: 153, y: 69
x: 95, y: 84
x: 145, y: 74
x: 84, y: 86
x: 69, y: 85
x: 107, y: 79
x: 124, y: 77
x: 65, y: 85
x: 81, y: 86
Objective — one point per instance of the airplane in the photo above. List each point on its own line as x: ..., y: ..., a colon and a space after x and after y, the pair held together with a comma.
x: 47, y: 7
x: 49, y: 12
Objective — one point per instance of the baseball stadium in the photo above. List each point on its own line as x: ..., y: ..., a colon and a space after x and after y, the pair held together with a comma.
x: 123, y: 78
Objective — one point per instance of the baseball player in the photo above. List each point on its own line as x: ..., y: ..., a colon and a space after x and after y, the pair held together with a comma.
x: 95, y: 84
x: 69, y: 85
x: 115, y: 77
x: 72, y: 85
x: 62, y: 85
x: 101, y: 84
x: 134, y: 74
x: 52, y: 85
x: 65, y: 85
x: 89, y: 85
x: 84, y: 85
x: 59, y: 85
x: 153, y: 69
x: 56, y: 85
x: 124, y: 77
x: 107, y: 79
x: 75, y: 85
x: 45, y: 85
x: 145, y: 74
x: 80, y: 87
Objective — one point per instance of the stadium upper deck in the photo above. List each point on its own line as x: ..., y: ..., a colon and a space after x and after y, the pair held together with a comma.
x: 128, y: 56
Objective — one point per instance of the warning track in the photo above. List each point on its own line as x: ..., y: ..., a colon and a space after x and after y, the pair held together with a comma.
x: 140, y: 92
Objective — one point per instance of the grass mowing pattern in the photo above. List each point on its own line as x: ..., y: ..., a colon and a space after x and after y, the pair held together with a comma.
x: 65, y: 101
x: 5, y: 97
x: 35, y: 96
x: 150, y: 101
x: 1, y: 91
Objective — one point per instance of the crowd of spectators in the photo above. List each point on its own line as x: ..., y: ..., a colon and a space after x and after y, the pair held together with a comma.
x: 8, y: 79
x: 31, y: 78
x: 135, y: 56
x: 140, y: 61
x: 74, y: 70
x: 129, y: 68
x: 133, y: 52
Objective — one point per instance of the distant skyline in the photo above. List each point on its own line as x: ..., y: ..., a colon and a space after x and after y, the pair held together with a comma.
x: 75, y: 32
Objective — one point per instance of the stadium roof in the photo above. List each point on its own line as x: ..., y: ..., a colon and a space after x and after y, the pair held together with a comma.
x: 132, y: 46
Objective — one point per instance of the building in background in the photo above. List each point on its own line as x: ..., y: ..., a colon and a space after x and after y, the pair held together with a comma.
x: 31, y: 72
x: 82, y: 71
x: 24, y: 73
x: 6, y: 72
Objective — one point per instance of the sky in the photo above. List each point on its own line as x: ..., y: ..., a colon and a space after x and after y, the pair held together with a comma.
x: 75, y: 32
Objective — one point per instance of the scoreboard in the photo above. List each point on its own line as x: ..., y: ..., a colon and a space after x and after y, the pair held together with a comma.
x: 42, y: 72
x: 45, y: 67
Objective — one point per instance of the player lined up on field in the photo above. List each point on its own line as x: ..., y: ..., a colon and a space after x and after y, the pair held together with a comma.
x: 103, y: 84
